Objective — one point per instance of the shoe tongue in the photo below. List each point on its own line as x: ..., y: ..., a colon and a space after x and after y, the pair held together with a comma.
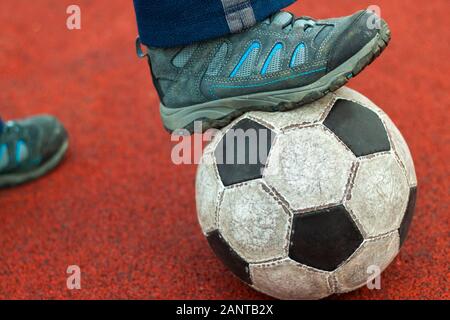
x: 282, y: 18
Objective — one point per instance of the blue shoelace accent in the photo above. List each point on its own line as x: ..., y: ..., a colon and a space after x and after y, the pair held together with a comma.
x: 300, y: 50
x: 274, y: 51
x: 3, y: 156
x: 254, y: 46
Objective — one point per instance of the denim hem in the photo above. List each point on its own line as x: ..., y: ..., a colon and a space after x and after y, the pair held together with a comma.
x: 182, y: 22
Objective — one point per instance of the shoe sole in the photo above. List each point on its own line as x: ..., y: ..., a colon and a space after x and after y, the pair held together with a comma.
x: 11, y: 180
x: 220, y: 113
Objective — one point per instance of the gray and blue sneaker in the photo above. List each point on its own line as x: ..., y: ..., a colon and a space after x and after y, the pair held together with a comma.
x: 277, y: 65
x: 30, y: 148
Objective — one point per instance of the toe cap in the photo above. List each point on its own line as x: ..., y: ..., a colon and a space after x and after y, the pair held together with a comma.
x: 53, y: 135
x: 359, y: 32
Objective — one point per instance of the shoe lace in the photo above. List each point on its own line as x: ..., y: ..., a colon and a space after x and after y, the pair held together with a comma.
x: 289, y: 22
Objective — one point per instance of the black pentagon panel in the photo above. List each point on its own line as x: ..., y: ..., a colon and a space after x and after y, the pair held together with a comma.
x: 324, y: 239
x: 242, y: 153
x: 407, y: 219
x: 228, y: 256
x: 358, y: 127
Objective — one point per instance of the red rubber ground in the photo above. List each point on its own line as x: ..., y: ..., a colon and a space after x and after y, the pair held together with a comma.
x: 120, y: 209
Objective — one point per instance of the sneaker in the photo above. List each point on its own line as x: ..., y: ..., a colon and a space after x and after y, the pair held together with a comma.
x: 277, y: 65
x: 30, y: 148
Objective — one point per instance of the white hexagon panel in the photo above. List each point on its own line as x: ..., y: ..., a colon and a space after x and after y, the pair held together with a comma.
x: 287, y: 279
x: 254, y: 223
x: 309, y: 167
x: 371, y: 258
x: 402, y: 150
x: 309, y: 114
x: 207, y: 202
x: 379, y: 196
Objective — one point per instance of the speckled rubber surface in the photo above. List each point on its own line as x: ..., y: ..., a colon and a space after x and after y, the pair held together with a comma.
x: 118, y: 206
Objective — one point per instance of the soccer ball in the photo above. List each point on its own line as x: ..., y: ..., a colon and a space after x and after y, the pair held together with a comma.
x: 329, y: 199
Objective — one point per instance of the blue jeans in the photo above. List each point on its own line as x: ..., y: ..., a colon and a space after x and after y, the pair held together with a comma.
x: 171, y: 23
x: 1, y: 125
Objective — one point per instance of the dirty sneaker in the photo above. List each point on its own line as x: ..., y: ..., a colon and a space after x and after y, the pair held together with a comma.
x: 277, y: 65
x: 30, y: 148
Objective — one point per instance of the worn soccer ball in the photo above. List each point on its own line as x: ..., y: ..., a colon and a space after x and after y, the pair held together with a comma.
x: 331, y: 202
